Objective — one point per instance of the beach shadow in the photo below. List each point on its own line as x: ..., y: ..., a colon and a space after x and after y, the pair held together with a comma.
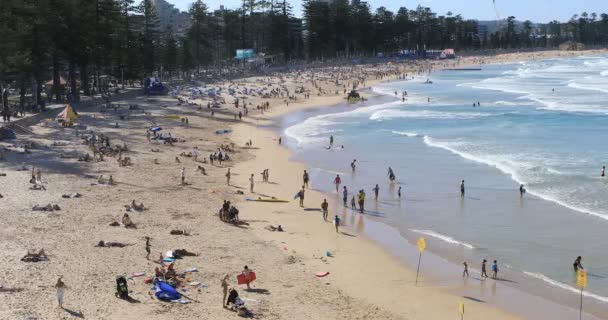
x: 74, y: 313
x: 504, y: 280
x: 312, y: 209
x: 348, y: 234
x: 131, y: 300
x: 474, y: 299
x: 258, y: 290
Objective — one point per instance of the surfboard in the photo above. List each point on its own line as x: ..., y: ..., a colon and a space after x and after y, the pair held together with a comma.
x: 242, y: 279
x: 321, y: 274
x: 137, y: 274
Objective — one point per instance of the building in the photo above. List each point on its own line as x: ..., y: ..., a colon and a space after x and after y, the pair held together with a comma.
x: 171, y: 18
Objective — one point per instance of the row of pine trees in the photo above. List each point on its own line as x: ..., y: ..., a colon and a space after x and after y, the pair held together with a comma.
x: 85, y: 40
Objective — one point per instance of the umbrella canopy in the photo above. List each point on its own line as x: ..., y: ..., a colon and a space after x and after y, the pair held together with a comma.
x: 68, y: 113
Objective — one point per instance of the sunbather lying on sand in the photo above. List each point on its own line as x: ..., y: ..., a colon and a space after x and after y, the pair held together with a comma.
x: 136, y: 207
x: 48, y: 207
x: 110, y: 244
x: 35, y: 257
x: 179, y: 253
x: 38, y: 186
x: 180, y: 233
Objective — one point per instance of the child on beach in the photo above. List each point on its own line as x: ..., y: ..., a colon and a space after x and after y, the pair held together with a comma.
x: 494, y: 270
x: 345, y: 196
x: 301, y: 196
x: 483, y: 269
x: 60, y: 288
x: 353, y: 204
x: 337, y: 222
x: 376, y: 191
x: 465, y: 272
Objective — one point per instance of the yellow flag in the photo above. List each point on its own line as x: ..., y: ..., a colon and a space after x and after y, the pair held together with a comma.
x: 461, y: 308
x: 421, y: 244
x: 581, y: 279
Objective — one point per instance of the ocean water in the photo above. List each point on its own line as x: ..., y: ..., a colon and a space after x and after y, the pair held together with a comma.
x: 543, y: 124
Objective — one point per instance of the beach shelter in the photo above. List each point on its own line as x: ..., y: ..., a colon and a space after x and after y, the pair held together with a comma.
x: 68, y: 114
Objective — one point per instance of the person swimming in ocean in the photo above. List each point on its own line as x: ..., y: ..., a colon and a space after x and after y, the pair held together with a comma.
x: 522, y: 190
x: 578, y: 264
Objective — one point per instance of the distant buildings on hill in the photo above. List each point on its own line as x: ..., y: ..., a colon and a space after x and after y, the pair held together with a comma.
x: 171, y: 18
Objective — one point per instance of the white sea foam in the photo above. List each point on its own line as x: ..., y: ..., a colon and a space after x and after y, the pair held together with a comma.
x: 507, y: 103
x: 426, y: 114
x: 511, y: 167
x: 408, y: 134
x: 565, y: 286
x: 445, y: 238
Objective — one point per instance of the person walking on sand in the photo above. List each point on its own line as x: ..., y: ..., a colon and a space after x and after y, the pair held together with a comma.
x: 324, y: 207
x: 484, y: 274
x: 228, y: 177
x: 183, y: 175
x: 465, y: 272
x: 251, y: 180
x: 60, y: 288
x: 301, y: 196
x: 148, y: 248
x: 376, y: 191
x: 462, y: 189
x: 280, y: 140
x: 337, y: 182
x: 345, y: 196
x: 578, y: 264
x: 225, y: 290
x: 196, y: 153
x: 246, y: 271
x: 495, y: 270
x: 337, y: 222
x: 305, y: 178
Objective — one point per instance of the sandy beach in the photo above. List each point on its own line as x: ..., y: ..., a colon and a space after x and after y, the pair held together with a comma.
x: 365, y: 281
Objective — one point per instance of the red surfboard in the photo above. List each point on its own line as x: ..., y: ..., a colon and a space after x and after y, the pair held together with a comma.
x: 242, y: 279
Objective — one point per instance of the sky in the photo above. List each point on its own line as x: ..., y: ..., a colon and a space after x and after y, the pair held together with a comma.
x: 534, y: 10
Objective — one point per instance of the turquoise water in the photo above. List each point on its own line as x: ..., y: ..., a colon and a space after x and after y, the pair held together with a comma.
x: 540, y: 123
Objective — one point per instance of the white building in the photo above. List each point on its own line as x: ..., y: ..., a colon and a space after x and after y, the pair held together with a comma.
x: 171, y: 17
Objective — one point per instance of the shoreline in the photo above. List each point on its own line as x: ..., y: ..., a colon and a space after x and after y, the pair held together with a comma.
x: 296, y: 164
x: 367, y: 279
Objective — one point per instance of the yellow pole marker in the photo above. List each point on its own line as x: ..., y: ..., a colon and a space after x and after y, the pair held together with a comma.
x: 421, y: 247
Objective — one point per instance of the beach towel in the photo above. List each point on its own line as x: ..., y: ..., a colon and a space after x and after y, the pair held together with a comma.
x: 165, y: 292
